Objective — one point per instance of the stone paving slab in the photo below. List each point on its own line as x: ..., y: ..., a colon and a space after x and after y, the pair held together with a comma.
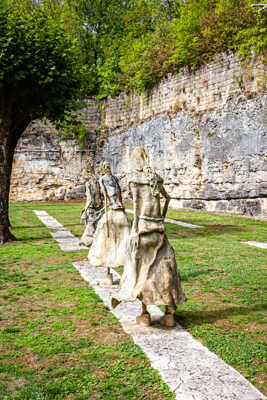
x: 40, y: 212
x: 66, y: 240
x: 47, y: 220
x: 173, y: 221
x: 191, y: 371
x: 257, y: 244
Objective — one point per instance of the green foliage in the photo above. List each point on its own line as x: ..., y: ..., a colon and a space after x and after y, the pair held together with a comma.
x: 124, y: 45
x: 3, y: 4
x: 70, y: 125
x: 157, y: 37
x: 134, y: 66
x: 253, y: 36
x: 108, y: 77
x: 41, y: 64
x: 223, y: 28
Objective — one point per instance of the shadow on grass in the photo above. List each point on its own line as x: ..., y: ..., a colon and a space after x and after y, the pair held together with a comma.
x: 214, y: 230
x: 193, y: 274
x: 65, y: 225
x: 27, y: 227
x: 40, y: 227
x: 199, y: 317
x: 29, y: 240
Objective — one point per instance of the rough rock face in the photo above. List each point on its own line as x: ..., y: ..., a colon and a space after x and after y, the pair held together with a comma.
x: 45, y: 169
x: 205, y: 132
x: 216, y: 162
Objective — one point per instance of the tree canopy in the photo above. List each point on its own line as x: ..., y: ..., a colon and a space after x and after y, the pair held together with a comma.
x: 42, y: 74
x: 41, y: 59
x: 131, y: 44
x: 53, y: 52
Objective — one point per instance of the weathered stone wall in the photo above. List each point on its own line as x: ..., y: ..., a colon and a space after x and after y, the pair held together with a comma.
x: 214, y: 164
x: 205, y: 90
x: 45, y: 168
x: 204, y: 131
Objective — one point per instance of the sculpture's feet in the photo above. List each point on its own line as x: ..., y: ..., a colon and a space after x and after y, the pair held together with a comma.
x: 86, y: 242
x: 114, y: 302
x: 108, y: 281
x: 144, y: 319
x: 167, y: 320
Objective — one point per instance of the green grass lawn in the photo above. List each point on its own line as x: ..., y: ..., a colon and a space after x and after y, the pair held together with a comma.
x: 58, y: 340
x: 225, y: 282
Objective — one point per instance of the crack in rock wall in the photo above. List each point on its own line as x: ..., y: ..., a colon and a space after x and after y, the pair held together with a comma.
x: 205, y: 133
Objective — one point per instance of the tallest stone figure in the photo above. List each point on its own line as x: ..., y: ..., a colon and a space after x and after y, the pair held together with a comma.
x: 150, y: 271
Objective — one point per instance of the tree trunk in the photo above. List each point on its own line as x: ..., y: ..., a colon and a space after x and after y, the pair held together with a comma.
x: 9, y: 135
x: 169, y: 9
x: 6, y: 159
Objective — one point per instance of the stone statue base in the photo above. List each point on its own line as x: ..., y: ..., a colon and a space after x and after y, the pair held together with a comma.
x: 144, y: 319
x: 107, y: 281
x: 167, y: 320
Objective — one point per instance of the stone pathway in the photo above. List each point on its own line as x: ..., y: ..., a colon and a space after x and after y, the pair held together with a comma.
x: 66, y: 240
x: 191, y: 371
x: 257, y: 244
x: 173, y: 221
x: 47, y: 220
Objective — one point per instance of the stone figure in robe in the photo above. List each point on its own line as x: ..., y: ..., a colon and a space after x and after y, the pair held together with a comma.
x: 93, y: 209
x: 113, y: 230
x: 150, y: 269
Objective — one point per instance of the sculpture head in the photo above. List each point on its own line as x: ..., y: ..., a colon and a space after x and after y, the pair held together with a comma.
x: 90, y: 167
x: 105, y: 167
x: 84, y: 175
x: 89, y: 170
x: 148, y: 170
x: 139, y: 158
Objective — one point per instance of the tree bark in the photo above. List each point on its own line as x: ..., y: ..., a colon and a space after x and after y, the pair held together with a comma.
x: 10, y: 132
x: 169, y: 10
x: 6, y: 159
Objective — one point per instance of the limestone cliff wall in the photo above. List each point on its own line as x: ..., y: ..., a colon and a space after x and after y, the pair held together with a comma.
x: 46, y: 168
x: 205, y: 133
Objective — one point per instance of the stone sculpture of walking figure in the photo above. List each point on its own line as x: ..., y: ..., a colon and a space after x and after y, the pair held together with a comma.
x: 93, y: 209
x: 150, y: 270
x: 113, y: 230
